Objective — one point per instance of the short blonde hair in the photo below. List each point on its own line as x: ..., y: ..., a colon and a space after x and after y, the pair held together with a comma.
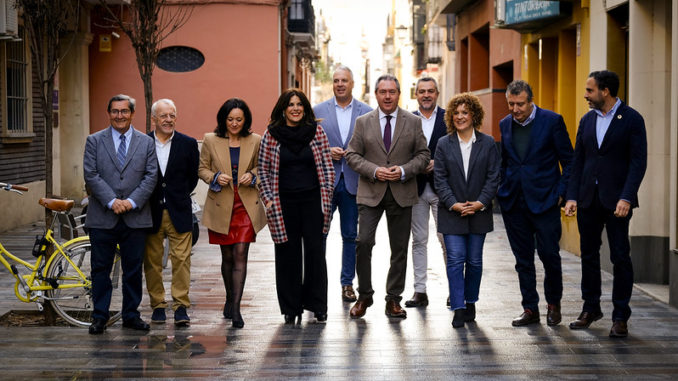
x: 474, y: 107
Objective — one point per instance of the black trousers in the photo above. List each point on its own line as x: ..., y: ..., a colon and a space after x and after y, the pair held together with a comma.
x: 132, y: 243
x: 300, y: 267
x: 524, y: 229
x: 591, y: 221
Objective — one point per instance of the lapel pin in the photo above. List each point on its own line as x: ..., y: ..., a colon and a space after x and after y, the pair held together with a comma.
x: 619, y: 116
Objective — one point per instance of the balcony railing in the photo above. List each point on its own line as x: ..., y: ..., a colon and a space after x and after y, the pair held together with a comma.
x: 300, y: 17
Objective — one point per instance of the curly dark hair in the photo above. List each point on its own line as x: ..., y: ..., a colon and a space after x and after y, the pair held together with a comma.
x: 228, y: 106
x: 278, y: 113
x: 474, y: 107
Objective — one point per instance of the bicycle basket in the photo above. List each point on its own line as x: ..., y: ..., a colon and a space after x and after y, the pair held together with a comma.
x: 40, y: 246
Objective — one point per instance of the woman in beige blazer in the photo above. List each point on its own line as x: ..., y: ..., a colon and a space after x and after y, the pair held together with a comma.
x: 233, y: 213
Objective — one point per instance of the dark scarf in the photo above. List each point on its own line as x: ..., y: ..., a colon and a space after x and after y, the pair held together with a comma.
x: 293, y: 138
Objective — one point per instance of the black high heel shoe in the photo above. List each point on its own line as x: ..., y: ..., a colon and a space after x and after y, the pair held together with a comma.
x: 238, y: 322
x: 228, y: 311
x: 292, y: 319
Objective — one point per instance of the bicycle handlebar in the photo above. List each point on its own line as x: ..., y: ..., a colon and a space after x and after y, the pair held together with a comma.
x: 9, y: 187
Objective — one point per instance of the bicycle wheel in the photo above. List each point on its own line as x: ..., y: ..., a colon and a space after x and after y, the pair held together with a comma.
x: 75, y: 304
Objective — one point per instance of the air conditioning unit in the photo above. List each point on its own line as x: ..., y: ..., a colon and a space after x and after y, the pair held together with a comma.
x: 9, y: 18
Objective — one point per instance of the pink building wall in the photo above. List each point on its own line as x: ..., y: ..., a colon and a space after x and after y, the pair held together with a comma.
x: 240, y: 43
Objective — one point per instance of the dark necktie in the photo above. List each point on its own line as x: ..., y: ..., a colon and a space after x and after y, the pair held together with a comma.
x: 122, y: 150
x: 387, y: 133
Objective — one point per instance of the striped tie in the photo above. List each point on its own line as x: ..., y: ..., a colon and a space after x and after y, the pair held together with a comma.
x: 122, y: 150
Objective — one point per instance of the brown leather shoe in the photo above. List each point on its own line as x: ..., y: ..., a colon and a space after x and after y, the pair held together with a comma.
x: 553, y: 316
x: 394, y: 310
x: 419, y: 299
x: 585, y: 319
x: 360, y: 307
x: 527, y: 317
x: 347, y: 294
x: 619, y: 329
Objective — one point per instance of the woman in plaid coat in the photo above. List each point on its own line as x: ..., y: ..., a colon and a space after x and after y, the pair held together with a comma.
x: 297, y: 179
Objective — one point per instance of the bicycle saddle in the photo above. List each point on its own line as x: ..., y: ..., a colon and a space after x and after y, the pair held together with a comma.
x: 56, y: 205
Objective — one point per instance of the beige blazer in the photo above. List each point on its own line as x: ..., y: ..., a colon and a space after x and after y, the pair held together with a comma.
x: 215, y: 157
x: 366, y: 152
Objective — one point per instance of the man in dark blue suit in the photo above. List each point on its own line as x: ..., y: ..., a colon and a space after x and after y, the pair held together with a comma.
x: 535, y: 146
x: 178, y: 159
x: 433, y: 125
x: 610, y: 159
x: 338, y: 119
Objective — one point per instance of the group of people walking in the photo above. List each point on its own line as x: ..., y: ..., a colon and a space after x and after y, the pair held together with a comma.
x: 344, y: 155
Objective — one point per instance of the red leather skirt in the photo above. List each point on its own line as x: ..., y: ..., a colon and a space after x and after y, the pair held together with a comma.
x: 240, y: 229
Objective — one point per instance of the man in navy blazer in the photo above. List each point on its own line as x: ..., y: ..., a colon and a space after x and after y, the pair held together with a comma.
x: 121, y: 170
x: 535, y: 146
x: 338, y: 119
x: 433, y: 125
x: 610, y: 159
x: 178, y: 159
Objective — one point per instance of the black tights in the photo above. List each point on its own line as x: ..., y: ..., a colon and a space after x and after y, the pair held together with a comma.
x: 234, y: 272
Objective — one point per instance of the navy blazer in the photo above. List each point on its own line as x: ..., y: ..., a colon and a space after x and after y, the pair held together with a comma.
x: 326, y: 111
x: 617, y: 167
x: 439, y: 130
x: 173, y: 190
x: 538, y: 176
x: 453, y: 186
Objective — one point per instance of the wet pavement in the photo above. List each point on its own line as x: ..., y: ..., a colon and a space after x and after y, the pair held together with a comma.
x: 423, y: 346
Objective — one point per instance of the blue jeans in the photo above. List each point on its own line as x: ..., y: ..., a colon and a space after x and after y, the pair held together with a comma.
x: 464, y: 249
x: 348, y: 218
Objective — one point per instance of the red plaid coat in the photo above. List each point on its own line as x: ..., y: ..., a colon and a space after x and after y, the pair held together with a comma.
x: 269, y: 164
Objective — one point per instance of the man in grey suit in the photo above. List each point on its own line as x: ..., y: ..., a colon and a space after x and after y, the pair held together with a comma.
x: 338, y: 118
x: 388, y: 149
x: 121, y: 169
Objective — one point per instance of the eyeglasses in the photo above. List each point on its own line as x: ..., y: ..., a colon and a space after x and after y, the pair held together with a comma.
x: 124, y: 112
x: 167, y: 116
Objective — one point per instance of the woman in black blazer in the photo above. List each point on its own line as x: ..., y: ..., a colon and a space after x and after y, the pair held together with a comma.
x: 466, y: 175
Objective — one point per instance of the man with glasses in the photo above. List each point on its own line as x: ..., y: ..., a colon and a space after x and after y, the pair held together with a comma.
x: 178, y: 159
x: 120, y: 168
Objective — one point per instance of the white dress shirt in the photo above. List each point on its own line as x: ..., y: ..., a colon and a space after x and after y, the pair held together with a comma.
x: 162, y: 150
x: 427, y: 124
x: 465, y: 148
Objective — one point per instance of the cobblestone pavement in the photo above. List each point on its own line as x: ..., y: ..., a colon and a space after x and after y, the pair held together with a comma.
x: 423, y: 346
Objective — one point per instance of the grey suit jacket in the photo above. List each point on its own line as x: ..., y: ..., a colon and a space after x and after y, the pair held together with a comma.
x: 366, y: 152
x: 108, y: 180
x: 452, y: 186
x: 327, y: 112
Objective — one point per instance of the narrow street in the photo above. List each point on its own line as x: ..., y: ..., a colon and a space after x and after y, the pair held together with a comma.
x: 423, y: 346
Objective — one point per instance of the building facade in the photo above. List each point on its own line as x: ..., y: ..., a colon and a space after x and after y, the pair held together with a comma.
x: 487, y: 59
x: 252, y: 49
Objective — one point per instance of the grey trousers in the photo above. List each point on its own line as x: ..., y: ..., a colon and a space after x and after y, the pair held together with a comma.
x: 399, y: 220
x: 428, y: 201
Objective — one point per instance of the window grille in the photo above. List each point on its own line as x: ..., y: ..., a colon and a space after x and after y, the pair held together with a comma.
x: 17, y: 94
x: 297, y: 10
x: 180, y: 59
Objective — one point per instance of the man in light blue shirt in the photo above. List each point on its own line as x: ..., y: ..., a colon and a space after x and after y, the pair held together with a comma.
x: 338, y: 117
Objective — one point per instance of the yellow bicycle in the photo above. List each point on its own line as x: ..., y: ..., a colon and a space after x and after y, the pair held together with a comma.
x: 61, y: 273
